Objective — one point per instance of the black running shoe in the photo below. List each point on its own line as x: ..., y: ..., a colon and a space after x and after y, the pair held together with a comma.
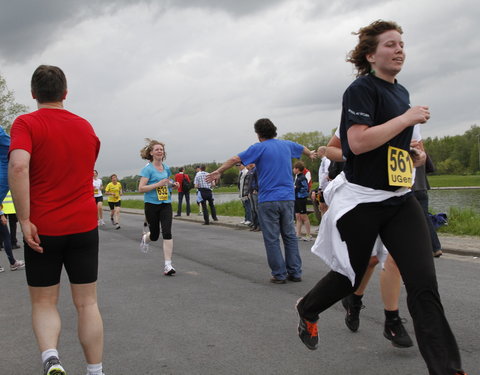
x: 52, y: 366
x: 397, y: 334
x: 352, y: 318
x: 307, y: 331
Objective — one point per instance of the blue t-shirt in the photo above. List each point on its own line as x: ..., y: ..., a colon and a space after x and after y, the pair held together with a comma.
x: 154, y: 176
x: 273, y: 161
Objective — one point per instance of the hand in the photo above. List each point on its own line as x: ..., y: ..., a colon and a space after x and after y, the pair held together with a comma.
x: 418, y: 157
x: 212, y: 176
x: 3, y: 220
x: 419, y: 114
x: 30, y: 235
x: 163, y: 182
x: 313, y: 154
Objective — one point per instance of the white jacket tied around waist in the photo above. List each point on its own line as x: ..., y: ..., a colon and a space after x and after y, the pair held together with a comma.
x: 342, y: 196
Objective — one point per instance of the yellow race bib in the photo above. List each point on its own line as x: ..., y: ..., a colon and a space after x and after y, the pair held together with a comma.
x: 162, y: 193
x: 400, y: 167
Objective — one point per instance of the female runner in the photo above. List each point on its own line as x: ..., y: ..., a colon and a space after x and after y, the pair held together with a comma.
x: 97, y: 193
x: 155, y: 182
x: 372, y: 198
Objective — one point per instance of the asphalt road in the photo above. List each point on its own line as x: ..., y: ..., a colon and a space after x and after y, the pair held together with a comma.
x: 221, y: 315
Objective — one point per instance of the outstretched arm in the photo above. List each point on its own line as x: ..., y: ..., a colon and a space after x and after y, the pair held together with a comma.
x: 215, y: 175
x: 311, y: 154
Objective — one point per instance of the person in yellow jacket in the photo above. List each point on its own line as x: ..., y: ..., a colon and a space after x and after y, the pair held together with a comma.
x: 9, y: 210
x: 114, y: 192
x: 5, y: 238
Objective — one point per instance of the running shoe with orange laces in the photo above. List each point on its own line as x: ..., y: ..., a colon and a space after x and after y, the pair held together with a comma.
x: 307, y: 331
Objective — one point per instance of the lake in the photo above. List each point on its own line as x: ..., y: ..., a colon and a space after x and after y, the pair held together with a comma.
x: 440, y: 199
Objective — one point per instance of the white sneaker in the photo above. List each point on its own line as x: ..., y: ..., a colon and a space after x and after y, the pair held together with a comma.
x: 242, y: 222
x: 308, y: 238
x: 102, y: 222
x: 248, y: 222
x: 169, y: 270
x: 144, y: 246
x: 19, y: 264
x: 2, y: 269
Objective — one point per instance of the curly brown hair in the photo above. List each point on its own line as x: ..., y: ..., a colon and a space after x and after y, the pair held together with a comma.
x: 367, y: 44
x: 145, y: 151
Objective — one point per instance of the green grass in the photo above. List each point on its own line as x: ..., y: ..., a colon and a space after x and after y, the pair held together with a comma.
x: 454, y: 180
x: 233, y: 208
x: 464, y: 222
x: 460, y: 221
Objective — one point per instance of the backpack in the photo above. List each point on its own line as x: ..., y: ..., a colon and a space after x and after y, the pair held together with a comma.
x: 186, y: 186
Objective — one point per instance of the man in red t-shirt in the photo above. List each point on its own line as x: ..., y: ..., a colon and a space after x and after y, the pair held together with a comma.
x: 52, y: 157
x: 179, y: 177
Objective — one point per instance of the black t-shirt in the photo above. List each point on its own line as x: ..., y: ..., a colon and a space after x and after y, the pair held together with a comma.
x: 372, y: 101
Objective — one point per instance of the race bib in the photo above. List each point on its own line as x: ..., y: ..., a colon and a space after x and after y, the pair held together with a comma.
x: 162, y: 193
x: 400, y: 167
x: 95, y: 191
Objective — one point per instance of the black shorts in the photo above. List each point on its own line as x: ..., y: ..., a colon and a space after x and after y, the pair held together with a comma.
x: 112, y: 205
x: 98, y: 199
x: 301, y: 205
x: 77, y: 252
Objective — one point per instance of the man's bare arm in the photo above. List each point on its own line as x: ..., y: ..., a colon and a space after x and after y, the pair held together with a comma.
x: 19, y: 181
x: 228, y: 164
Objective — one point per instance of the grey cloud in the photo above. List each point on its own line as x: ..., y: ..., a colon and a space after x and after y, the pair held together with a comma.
x: 27, y: 27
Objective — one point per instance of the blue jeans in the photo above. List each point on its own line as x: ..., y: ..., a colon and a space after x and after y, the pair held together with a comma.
x: 276, y: 218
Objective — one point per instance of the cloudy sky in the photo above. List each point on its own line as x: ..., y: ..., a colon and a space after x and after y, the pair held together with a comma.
x: 197, y: 74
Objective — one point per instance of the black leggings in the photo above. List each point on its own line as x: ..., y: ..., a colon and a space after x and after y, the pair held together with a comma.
x: 159, y: 214
x: 403, y: 230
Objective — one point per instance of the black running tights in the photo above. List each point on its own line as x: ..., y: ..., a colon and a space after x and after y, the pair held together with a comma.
x: 403, y: 230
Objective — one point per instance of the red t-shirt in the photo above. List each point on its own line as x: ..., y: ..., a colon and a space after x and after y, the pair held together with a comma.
x: 63, y: 149
x: 179, y: 178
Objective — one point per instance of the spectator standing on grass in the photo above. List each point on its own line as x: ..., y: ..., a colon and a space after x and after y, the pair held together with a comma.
x: 243, y: 195
x: 301, y: 195
x: 205, y: 188
x: 184, y: 185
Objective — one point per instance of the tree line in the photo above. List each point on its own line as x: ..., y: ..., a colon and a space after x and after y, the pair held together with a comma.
x: 457, y: 154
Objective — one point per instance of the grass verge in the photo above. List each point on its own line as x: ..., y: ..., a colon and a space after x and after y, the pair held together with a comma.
x: 460, y: 221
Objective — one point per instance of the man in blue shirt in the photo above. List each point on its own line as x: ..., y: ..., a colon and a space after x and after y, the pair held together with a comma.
x: 276, y: 197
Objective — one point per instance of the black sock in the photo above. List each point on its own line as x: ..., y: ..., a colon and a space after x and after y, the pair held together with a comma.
x: 391, y: 315
x: 356, y: 299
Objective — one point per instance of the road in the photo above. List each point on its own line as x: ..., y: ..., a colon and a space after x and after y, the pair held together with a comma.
x: 220, y: 314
